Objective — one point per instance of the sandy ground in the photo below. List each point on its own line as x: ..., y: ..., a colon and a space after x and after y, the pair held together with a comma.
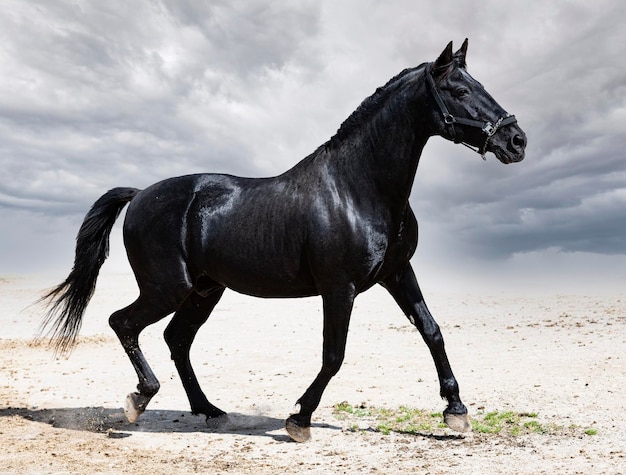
x: 561, y: 356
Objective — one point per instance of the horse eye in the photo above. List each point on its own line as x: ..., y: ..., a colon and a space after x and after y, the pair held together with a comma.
x: 461, y: 93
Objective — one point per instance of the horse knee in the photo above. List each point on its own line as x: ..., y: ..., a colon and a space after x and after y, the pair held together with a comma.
x: 431, y: 333
x: 433, y: 336
x: 332, y: 363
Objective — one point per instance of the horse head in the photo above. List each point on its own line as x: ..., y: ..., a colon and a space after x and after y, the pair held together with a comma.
x: 466, y: 113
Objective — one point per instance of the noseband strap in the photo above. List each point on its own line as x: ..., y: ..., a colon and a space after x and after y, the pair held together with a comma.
x: 487, y: 127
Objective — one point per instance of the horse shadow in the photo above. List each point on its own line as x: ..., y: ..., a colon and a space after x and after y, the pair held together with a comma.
x: 113, y: 423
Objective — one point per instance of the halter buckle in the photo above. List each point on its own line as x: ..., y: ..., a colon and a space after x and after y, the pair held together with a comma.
x: 489, y: 129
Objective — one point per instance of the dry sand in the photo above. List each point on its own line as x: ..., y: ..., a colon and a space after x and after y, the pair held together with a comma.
x: 561, y: 356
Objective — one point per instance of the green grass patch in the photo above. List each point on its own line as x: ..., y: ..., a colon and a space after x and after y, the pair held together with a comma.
x: 511, y: 423
x: 407, y: 420
x: 403, y: 419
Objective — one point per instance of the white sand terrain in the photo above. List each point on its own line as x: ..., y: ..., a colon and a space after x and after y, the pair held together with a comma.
x: 562, y: 357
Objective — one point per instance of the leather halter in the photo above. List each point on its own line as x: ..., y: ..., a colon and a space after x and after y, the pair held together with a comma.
x: 487, y: 127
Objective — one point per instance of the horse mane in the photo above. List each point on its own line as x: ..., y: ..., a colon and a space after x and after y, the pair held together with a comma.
x: 369, y: 107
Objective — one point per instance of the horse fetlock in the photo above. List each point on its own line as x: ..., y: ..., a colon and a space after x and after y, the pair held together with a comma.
x: 208, y: 410
x: 148, y: 387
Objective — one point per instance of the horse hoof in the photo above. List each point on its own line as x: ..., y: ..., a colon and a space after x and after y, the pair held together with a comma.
x: 458, y: 422
x: 296, y: 432
x: 131, y: 408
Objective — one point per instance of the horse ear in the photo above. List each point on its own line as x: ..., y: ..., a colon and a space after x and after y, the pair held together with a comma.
x: 444, y: 59
x: 461, y: 53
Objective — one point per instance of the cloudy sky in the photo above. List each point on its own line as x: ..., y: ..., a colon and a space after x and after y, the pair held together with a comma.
x: 95, y: 95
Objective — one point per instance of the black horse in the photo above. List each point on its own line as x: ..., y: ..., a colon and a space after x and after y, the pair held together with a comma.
x: 334, y: 225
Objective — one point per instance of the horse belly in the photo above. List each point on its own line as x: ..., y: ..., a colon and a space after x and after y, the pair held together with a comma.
x: 260, y: 286
x: 259, y: 259
x: 258, y: 275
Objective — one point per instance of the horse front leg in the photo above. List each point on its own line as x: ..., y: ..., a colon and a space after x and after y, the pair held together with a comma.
x: 337, y: 310
x: 405, y: 290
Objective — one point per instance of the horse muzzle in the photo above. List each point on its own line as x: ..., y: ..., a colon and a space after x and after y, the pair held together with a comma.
x: 509, y: 144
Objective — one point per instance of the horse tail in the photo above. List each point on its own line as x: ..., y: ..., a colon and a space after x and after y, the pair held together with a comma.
x: 67, y: 301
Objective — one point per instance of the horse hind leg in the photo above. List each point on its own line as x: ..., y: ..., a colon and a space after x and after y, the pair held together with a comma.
x: 128, y: 323
x: 179, y: 336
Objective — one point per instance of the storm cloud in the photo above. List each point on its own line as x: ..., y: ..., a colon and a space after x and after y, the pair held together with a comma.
x: 95, y: 95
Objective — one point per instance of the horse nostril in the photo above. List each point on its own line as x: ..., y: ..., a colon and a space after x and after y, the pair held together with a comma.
x: 518, y: 141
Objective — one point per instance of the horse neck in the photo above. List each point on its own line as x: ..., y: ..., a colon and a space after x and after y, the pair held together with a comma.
x: 384, y: 154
